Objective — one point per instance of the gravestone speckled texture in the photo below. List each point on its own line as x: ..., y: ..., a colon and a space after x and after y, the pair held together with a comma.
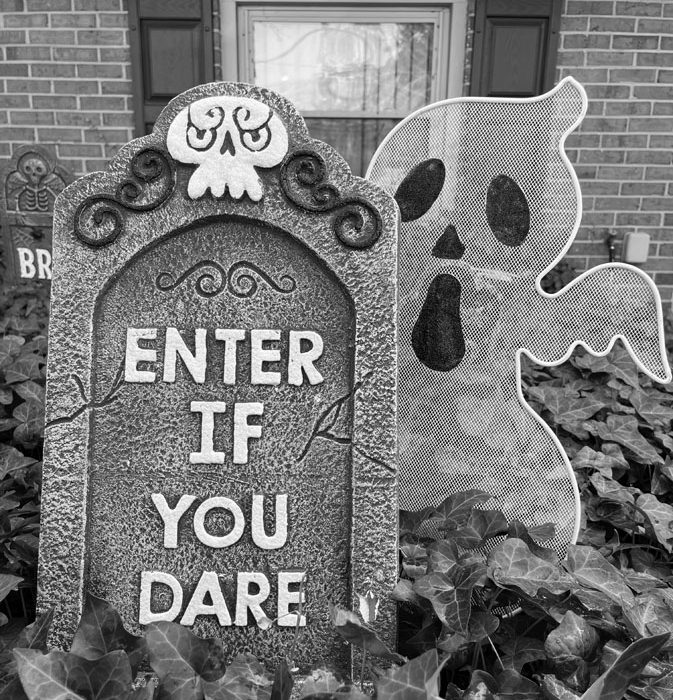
x: 29, y: 185
x: 286, y: 239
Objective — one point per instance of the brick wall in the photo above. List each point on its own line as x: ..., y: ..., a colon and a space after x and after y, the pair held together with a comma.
x: 65, y: 79
x: 622, y: 52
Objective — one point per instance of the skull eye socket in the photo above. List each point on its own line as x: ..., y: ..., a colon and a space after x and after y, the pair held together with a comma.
x: 254, y: 138
x: 201, y: 137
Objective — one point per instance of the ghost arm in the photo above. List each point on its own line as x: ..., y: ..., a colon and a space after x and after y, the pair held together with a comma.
x: 608, y: 302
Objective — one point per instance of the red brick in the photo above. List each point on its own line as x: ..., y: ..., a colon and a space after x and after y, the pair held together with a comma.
x: 595, y: 187
x: 620, y: 172
x: 666, y: 76
x: 571, y: 58
x: 634, y: 107
x: 586, y: 7
x: 52, y: 5
x: 598, y: 156
x: 665, y: 250
x: 28, y: 86
x: 655, y: 26
x: 640, y: 188
x: 661, y: 141
x: 115, y: 55
x: 608, y: 92
x: 108, y: 103
x: 653, y: 92
x: 655, y: 204
x: 52, y: 70
x: 116, y: 87
x: 58, y: 135
x: 591, y: 75
x: 31, y: 117
x: 76, y: 87
x: 633, y: 75
x: 93, y: 166
x: 598, y: 218
x: 25, y: 20
x: 72, y: 19
x: 580, y: 140
x: 28, y: 53
x: 574, y: 24
x: 602, y: 125
x: 78, y: 55
x: 88, y: 119
x: 595, y: 108
x: 102, y: 37
x: 13, y: 36
x: 586, y: 41
x: 585, y: 172
x: 100, y: 70
x: 51, y: 37
x: 105, y: 136
x: 638, y: 42
x: 662, y: 109
x: 624, y: 141
x: 640, y: 8
x: 610, y: 58
x: 666, y: 43
x: 15, y: 133
x: 655, y: 173
x: 99, y: 5
x: 638, y: 219
x: 82, y: 150
x: 653, y: 124
x: 113, y: 19
x: 54, y: 102
x: 17, y: 101
x: 118, y: 119
x: 13, y: 69
x: 618, y: 203
x: 649, y: 157
x: 612, y: 24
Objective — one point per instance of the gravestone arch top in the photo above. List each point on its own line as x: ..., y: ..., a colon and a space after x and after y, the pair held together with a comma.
x: 220, y: 443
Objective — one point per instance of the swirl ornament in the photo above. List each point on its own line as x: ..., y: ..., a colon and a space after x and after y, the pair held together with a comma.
x: 100, y: 220
x: 241, y: 280
x: 303, y: 178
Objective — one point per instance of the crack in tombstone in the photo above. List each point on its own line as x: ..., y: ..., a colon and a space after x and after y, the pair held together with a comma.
x: 328, y: 419
x: 109, y: 398
x: 376, y: 460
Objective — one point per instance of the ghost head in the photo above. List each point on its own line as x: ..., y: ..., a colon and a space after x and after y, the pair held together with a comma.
x: 227, y: 138
x: 33, y: 168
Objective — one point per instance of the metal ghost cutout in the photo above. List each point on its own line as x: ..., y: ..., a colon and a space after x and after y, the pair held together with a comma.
x: 470, y: 301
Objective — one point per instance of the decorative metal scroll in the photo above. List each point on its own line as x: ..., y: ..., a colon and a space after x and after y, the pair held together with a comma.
x: 212, y: 279
x: 303, y: 177
x: 99, y: 220
x: 489, y: 203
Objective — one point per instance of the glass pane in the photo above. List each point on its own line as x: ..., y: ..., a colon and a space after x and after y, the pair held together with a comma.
x: 355, y: 139
x: 345, y: 66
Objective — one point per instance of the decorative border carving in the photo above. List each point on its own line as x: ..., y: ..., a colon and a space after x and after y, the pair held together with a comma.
x: 238, y: 280
x: 303, y: 178
x: 99, y: 220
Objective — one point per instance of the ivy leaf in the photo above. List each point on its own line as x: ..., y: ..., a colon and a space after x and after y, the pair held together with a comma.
x: 26, y: 367
x: 513, y: 686
x: 480, y: 526
x: 8, y: 582
x: 442, y: 556
x: 576, y: 409
x: 624, y: 430
x: 590, y: 568
x: 615, y: 681
x: 573, y: 637
x: 61, y: 675
x: 518, y: 530
x: 244, y: 679
x: 512, y: 563
x: 455, y: 509
x: 611, y: 489
x: 518, y: 651
x: 101, y: 631
x: 348, y: 625
x: 651, y: 612
x: 660, y: 517
x: 418, y: 679
x: 182, y: 660
x: 482, y: 624
x: 554, y: 689
x: 30, y: 391
x: 321, y: 680
x: 10, y: 347
x: 655, y: 413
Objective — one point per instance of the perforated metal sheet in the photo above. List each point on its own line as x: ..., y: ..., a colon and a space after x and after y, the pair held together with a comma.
x: 469, y: 427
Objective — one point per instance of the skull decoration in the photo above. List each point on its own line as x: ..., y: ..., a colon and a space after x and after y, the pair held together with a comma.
x: 227, y: 137
x: 33, y: 167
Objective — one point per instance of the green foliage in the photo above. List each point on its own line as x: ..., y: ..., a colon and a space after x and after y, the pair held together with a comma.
x: 23, y: 353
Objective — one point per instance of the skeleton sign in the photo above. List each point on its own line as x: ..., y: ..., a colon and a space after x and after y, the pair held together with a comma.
x: 489, y: 203
x: 227, y: 137
x: 31, y: 184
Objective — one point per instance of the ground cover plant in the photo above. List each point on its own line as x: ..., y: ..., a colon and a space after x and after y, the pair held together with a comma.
x: 594, y: 626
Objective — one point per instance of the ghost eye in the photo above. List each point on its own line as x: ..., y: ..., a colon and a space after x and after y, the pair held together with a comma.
x: 256, y: 138
x: 507, y: 211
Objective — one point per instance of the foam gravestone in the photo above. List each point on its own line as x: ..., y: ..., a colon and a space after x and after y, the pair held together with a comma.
x: 29, y: 186
x: 489, y: 203
x: 220, y: 447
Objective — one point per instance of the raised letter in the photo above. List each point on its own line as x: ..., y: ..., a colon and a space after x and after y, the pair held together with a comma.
x: 195, y: 364
x: 250, y: 601
x: 243, y: 431
x: 147, y: 580
x: 299, y: 360
x: 286, y: 597
x: 136, y: 354
x: 230, y: 336
x: 259, y: 355
x: 171, y: 516
x: 207, y: 454
x: 26, y: 263
x: 208, y: 583
x: 43, y: 263
x: 218, y: 541
x: 259, y: 536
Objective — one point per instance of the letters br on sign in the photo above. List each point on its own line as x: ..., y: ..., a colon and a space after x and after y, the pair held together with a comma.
x: 29, y: 186
x: 220, y: 446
